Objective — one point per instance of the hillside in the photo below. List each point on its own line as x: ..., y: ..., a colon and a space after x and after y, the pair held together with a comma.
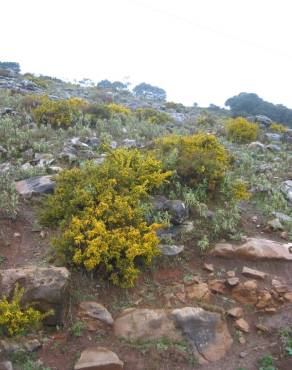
x: 137, y: 233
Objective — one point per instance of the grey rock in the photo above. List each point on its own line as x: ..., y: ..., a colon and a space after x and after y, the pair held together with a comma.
x: 98, y: 358
x: 176, y: 208
x: 46, y: 287
x: 273, y: 137
x: 275, y: 224
x: 32, y: 345
x: 286, y: 188
x: 113, y: 145
x: 6, y: 365
x: 282, y: 217
x: 256, y: 145
x: 5, y: 167
x: 35, y: 185
x: 68, y: 154
x: 264, y: 120
x: 93, y: 142
x: 3, y: 151
x: 129, y: 143
x: 273, y: 148
x: 171, y: 250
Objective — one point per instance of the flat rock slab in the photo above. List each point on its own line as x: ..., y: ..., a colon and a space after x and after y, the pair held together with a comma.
x: 94, y: 314
x: 35, y: 185
x: 255, y: 249
x: 171, y: 250
x: 44, y: 286
x: 98, y: 358
x: 206, y: 332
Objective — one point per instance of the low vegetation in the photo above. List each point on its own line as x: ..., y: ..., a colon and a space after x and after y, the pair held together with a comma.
x: 240, y: 130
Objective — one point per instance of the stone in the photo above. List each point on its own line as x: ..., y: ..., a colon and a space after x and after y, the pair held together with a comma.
x: 245, y: 293
x: 262, y: 328
x: 206, y: 331
x: 176, y: 208
x: 263, y: 120
x: 254, y: 274
x: 6, y: 365
x: 217, y: 286
x: 286, y: 188
x: 198, y: 291
x: 279, y: 286
x: 264, y: 299
x: 275, y: 224
x: 46, y: 287
x: 232, y: 281
x: 230, y: 273
x: 273, y: 137
x: 282, y: 217
x: 242, y: 325
x: 273, y: 148
x: 130, y: 143
x: 31, y: 345
x: 98, y: 358
x: 288, y: 297
x: 35, y: 185
x: 208, y: 267
x: 94, y: 315
x: 256, y: 145
x: 170, y: 250
x: 255, y: 249
x: 236, y: 312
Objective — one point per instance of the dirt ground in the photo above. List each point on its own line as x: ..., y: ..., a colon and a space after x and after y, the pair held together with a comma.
x: 23, y: 243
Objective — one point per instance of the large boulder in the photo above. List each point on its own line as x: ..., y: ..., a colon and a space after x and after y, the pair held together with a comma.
x: 206, y: 332
x: 286, y: 188
x: 35, y: 185
x: 255, y: 249
x: 45, y: 287
x: 263, y: 120
x: 98, y: 358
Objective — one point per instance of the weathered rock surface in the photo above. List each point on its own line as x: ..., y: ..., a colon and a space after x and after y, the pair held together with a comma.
x: 94, y: 314
x: 206, y: 331
x: 286, y: 188
x: 171, y: 250
x: 35, y: 185
x: 44, y: 286
x: 255, y: 249
x: 255, y: 274
x: 6, y: 365
x: 98, y: 358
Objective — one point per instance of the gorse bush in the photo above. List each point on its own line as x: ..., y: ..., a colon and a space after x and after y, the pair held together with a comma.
x: 58, y: 113
x: 16, y: 320
x: 119, y: 109
x: 241, y: 130
x: 101, y: 215
x: 9, y: 198
x: 277, y: 127
x: 196, y: 158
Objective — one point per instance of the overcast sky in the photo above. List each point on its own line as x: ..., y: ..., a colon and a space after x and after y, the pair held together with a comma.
x: 201, y: 51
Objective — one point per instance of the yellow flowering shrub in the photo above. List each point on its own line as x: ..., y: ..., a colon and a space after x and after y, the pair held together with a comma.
x: 119, y: 109
x: 277, y: 127
x: 99, y: 209
x: 196, y: 158
x: 15, y: 320
x: 241, y: 130
x: 239, y: 190
x: 58, y: 113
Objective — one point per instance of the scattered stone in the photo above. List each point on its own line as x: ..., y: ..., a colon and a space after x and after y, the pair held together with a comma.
x: 233, y: 281
x: 6, y: 365
x: 286, y: 188
x: 32, y: 345
x: 245, y: 293
x: 206, y: 331
x: 217, y: 286
x: 46, y: 287
x: 270, y: 310
x: 171, y: 250
x: 208, y: 267
x: 262, y: 328
x: 279, y: 286
x: 255, y: 274
x: 198, y: 291
x: 243, y: 354
x: 242, y: 325
x: 255, y: 249
x: 288, y: 297
x: 230, y: 273
x: 98, y: 358
x: 94, y: 314
x: 284, y: 235
x: 17, y: 235
x: 275, y: 224
x: 256, y: 145
x: 264, y: 299
x: 176, y: 208
x: 9, y: 346
x: 282, y: 217
x: 273, y: 137
x: 273, y: 148
x: 130, y: 143
x: 236, y: 312
x: 241, y: 339
x: 35, y: 185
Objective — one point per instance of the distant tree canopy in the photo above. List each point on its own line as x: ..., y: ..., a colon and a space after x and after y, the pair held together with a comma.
x: 149, y: 91
x: 245, y: 104
x: 116, y: 85
x: 10, y: 65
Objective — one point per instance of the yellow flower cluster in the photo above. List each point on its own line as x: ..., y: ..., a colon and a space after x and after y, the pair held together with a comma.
x: 240, y: 130
x: 277, y: 127
x: 119, y: 109
x: 58, y: 113
x: 100, y: 211
x: 239, y: 190
x: 14, y: 319
x: 196, y: 158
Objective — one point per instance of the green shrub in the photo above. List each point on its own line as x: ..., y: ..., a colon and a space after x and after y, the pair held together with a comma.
x: 100, y: 212
x: 38, y: 81
x: 16, y: 320
x: 196, y: 158
x: 240, y: 130
x: 9, y: 198
x: 153, y: 116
